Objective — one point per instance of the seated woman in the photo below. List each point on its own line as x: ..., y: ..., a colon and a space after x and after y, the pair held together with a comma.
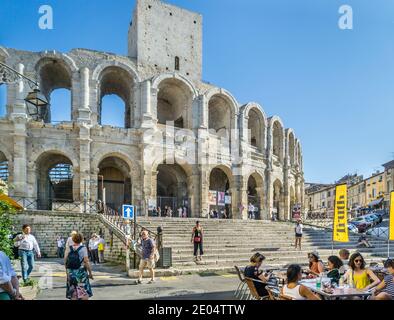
x: 316, y: 267
x: 334, y: 265
x: 252, y: 271
x: 385, y: 290
x: 358, y: 275
x: 294, y: 290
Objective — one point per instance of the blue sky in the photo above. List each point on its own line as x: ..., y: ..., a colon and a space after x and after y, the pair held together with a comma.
x: 334, y: 87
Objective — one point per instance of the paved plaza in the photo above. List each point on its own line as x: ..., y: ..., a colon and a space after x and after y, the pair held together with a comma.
x: 111, y: 283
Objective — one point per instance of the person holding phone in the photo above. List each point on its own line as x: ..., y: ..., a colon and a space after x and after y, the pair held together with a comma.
x: 197, y: 236
x: 252, y: 271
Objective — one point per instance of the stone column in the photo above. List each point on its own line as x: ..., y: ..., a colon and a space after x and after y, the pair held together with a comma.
x: 148, y: 96
x: 84, y: 164
x: 193, y: 186
x: 84, y: 108
x: 269, y: 199
x: 19, y: 119
x: 204, y: 188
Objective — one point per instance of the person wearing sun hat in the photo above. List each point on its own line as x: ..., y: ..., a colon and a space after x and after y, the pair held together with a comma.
x: 316, y: 267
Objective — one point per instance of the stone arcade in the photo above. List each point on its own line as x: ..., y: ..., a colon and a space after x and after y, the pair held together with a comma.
x: 241, y: 153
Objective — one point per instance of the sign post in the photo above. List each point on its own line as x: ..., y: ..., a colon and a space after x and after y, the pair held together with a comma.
x: 340, y: 232
x: 391, y: 223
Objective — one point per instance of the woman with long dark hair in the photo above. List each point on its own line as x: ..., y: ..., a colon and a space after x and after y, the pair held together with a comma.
x: 197, y: 237
x: 359, y: 275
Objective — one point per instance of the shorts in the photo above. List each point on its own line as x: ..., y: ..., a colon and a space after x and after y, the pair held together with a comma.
x: 150, y: 263
x: 298, y: 235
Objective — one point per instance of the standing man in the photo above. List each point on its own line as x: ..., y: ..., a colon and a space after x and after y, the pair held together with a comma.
x: 27, y: 244
x: 60, y: 247
x: 251, y: 211
x: 180, y: 210
x: 9, y: 284
x: 93, y: 247
x: 148, y: 257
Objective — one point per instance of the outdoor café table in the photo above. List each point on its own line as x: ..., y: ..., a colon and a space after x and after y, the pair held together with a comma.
x: 337, y: 292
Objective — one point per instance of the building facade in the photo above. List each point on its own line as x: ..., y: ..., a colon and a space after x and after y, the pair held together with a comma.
x: 184, y: 142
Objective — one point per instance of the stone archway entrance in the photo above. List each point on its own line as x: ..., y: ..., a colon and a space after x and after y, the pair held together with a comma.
x: 279, y: 200
x: 255, y: 195
x: 219, y: 197
x: 172, y: 189
x: 54, y: 180
x: 114, y: 182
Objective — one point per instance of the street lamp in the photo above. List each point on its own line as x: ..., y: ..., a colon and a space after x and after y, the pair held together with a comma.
x: 35, y: 99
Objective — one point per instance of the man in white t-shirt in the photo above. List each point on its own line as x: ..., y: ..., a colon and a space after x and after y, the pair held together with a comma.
x: 251, y: 211
x: 27, y: 245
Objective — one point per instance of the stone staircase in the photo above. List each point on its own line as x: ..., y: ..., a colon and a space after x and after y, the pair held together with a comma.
x: 233, y: 242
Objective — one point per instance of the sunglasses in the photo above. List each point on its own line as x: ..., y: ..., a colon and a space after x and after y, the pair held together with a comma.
x: 357, y: 261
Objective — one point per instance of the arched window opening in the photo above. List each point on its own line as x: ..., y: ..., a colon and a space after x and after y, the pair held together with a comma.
x: 60, y: 105
x: 116, y: 98
x: 113, y: 111
x: 55, y: 75
x: 174, y: 103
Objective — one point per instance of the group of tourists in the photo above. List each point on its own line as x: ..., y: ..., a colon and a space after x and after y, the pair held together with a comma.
x: 181, y: 212
x: 95, y: 246
x: 343, y: 269
x: 217, y: 213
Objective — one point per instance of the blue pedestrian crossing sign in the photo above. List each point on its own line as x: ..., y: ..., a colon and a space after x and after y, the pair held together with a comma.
x: 128, y: 211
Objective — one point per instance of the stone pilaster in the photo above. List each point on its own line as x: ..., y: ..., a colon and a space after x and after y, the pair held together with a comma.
x: 84, y: 109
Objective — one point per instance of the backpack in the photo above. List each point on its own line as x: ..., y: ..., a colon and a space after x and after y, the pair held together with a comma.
x: 73, y: 262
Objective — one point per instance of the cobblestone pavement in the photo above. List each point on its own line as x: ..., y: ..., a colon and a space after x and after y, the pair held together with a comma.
x: 111, y: 283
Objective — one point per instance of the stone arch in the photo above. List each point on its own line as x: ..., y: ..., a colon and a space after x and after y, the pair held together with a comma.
x: 277, y: 138
x: 221, y: 181
x: 173, y: 187
x: 129, y: 68
x: 114, y: 181
x: 114, y: 151
x: 256, y: 124
x: 279, y: 199
x: 222, y: 110
x: 255, y: 194
x: 121, y: 82
x: 54, y: 173
x: 54, y: 73
x: 175, y: 96
x: 291, y: 147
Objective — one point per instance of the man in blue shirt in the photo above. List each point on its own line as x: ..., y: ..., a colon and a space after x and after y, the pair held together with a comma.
x: 148, y: 256
x: 9, y: 284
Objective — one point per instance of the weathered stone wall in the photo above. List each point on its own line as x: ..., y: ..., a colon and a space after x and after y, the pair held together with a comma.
x: 47, y: 225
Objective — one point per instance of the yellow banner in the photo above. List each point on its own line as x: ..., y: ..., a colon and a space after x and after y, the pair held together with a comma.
x: 340, y: 232
x: 392, y: 216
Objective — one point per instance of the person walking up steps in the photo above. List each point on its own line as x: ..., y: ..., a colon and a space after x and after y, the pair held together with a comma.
x: 197, y: 237
x: 27, y: 244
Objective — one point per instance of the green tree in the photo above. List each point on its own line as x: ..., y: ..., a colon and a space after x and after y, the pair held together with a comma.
x: 6, y: 210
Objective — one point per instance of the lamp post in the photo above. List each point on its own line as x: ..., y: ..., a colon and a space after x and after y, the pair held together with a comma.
x: 35, y: 100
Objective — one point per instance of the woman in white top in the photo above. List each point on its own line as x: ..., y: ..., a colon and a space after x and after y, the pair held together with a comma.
x: 298, y: 234
x: 294, y: 290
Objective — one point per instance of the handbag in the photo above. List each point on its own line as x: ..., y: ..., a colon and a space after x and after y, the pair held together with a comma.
x: 79, y: 293
x: 197, y: 239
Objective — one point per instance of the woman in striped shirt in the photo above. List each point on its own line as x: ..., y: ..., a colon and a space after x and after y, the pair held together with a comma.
x: 385, y: 290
